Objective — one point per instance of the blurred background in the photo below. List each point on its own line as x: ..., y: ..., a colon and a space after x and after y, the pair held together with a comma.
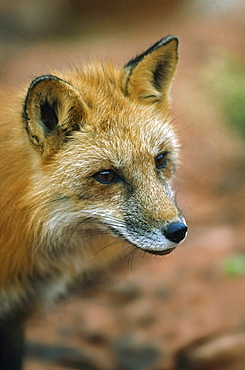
x: 185, y: 310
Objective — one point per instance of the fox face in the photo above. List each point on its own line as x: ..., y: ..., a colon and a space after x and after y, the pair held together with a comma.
x: 86, y: 166
x: 107, y: 152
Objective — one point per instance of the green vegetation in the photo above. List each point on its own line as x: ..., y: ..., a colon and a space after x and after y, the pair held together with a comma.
x: 234, y: 265
x: 228, y: 82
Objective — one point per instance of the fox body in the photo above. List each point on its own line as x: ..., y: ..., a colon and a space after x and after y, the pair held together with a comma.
x: 86, y: 160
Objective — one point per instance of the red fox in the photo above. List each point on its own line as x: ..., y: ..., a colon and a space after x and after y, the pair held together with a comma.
x: 86, y: 160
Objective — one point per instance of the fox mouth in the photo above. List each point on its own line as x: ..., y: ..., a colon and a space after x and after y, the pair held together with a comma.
x: 159, y: 253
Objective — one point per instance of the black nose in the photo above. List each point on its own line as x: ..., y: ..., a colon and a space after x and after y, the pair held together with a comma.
x: 176, y: 232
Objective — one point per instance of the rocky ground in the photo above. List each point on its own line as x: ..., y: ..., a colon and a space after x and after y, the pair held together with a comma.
x: 184, y: 310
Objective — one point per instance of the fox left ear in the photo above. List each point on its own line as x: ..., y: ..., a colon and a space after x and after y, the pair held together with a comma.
x: 149, y: 75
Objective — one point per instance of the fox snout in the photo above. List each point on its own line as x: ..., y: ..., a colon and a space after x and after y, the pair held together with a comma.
x: 156, y: 227
x: 175, y: 232
x: 159, y: 240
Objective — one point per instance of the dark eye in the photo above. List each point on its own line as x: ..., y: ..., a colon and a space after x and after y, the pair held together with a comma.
x: 161, y: 160
x: 106, y: 176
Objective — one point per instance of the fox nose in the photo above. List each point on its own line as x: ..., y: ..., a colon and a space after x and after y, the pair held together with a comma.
x: 175, y: 232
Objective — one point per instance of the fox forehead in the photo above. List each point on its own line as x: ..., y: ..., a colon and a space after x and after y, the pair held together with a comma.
x: 113, y: 114
x: 138, y: 129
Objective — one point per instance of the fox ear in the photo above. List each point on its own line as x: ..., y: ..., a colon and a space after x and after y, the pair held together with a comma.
x: 53, y: 109
x: 150, y: 74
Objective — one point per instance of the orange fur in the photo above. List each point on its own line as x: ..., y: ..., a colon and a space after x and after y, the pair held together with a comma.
x: 57, y: 219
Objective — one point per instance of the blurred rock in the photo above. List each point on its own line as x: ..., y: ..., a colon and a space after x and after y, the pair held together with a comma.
x: 64, y: 356
x: 27, y: 18
x: 124, y: 293
x: 33, y: 18
x: 215, y: 352
x: 163, y: 293
x: 135, y: 355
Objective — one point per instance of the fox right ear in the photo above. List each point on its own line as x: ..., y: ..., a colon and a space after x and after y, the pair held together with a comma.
x: 53, y: 109
x: 149, y: 75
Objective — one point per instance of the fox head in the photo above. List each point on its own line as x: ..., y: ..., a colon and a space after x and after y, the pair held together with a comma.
x: 105, y: 152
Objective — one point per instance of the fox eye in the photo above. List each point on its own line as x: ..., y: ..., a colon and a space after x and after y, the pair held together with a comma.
x: 161, y: 160
x: 106, y: 176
